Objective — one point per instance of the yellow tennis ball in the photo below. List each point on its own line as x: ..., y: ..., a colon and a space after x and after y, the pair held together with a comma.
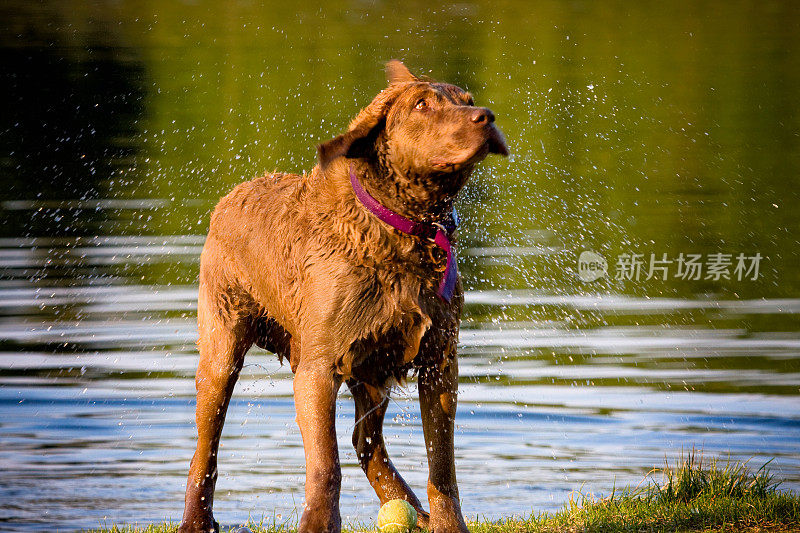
x: 397, y: 516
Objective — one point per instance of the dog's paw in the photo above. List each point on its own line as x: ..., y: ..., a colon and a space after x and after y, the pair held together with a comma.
x: 423, y: 519
x: 196, y: 527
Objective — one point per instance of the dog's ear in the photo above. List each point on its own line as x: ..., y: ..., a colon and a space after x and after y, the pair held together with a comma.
x: 359, y: 140
x: 337, y: 147
x: 397, y: 72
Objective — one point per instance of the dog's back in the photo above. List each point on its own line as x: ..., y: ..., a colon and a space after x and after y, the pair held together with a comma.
x: 254, y: 233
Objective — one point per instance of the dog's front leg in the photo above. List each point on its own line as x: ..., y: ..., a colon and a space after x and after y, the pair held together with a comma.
x: 315, y: 388
x: 437, y: 395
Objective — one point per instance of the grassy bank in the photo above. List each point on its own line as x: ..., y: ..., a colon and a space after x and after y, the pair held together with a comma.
x: 690, y: 496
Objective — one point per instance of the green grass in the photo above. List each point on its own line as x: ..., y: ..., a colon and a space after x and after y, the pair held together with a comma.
x: 691, y: 496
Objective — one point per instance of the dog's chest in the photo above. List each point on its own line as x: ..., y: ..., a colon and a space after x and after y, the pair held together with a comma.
x: 407, y: 324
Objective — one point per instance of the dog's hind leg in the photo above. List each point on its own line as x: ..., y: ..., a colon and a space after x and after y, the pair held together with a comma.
x: 371, y: 403
x: 223, y: 342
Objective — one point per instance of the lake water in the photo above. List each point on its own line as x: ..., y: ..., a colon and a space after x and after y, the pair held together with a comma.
x: 647, y: 134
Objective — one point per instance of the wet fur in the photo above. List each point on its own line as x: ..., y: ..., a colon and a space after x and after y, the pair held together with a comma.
x: 326, y: 258
x: 296, y: 265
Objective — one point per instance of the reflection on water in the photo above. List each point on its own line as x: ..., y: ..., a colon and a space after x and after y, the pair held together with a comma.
x: 97, y: 394
x: 664, y: 135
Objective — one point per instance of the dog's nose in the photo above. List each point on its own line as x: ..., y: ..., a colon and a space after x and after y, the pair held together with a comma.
x: 482, y: 114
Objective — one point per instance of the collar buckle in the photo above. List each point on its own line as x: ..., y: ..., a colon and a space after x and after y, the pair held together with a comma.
x: 436, y: 227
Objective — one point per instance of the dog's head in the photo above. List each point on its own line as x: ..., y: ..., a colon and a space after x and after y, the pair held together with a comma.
x: 419, y: 128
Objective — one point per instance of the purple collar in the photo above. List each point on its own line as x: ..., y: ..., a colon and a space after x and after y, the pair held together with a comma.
x: 439, y: 234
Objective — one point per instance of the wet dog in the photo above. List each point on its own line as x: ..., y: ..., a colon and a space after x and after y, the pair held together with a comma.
x: 348, y: 273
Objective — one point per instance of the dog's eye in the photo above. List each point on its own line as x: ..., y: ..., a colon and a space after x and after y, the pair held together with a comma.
x: 421, y: 104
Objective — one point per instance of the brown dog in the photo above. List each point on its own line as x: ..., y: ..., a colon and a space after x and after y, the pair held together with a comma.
x: 321, y: 270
